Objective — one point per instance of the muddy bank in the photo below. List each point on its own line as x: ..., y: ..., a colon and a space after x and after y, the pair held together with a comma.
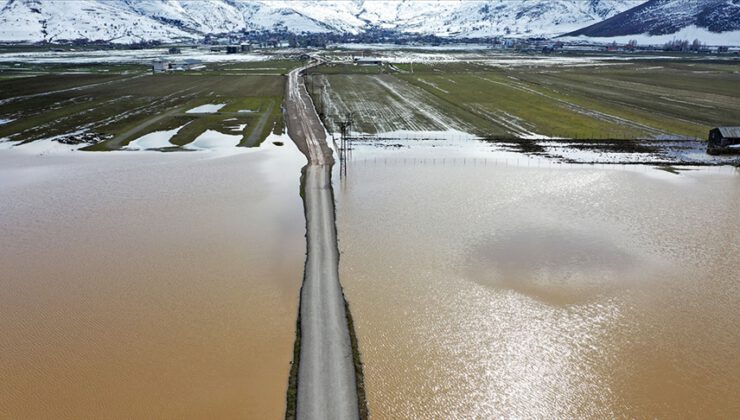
x: 596, y: 151
x: 618, y: 151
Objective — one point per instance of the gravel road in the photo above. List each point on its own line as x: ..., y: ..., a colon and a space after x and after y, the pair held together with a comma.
x: 326, y: 375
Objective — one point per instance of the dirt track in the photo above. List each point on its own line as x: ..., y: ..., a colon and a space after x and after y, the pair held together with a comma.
x: 304, y: 125
x: 326, y: 375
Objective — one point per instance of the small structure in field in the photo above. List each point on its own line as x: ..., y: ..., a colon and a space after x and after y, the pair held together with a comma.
x: 160, y: 65
x: 724, y: 140
x: 366, y: 61
x: 246, y: 47
x: 233, y: 49
x: 174, y: 50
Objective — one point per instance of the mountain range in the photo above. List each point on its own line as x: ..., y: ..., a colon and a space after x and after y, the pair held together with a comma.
x: 664, y: 17
x: 129, y: 21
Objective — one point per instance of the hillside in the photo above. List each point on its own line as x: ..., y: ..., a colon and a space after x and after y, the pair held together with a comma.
x: 667, y: 17
x: 127, y: 21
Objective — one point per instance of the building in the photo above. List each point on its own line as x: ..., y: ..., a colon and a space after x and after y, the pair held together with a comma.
x: 724, y: 140
x: 363, y: 61
x: 233, y: 49
x: 246, y: 47
x: 160, y: 65
x: 175, y: 50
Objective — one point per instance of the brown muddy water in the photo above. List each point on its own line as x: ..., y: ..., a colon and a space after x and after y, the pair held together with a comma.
x: 148, y: 285
x: 486, y: 287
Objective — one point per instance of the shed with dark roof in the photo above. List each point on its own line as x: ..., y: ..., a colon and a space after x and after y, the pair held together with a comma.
x: 724, y: 139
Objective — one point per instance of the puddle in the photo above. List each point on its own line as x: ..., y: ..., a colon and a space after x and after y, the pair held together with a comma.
x: 154, y: 140
x: 239, y: 128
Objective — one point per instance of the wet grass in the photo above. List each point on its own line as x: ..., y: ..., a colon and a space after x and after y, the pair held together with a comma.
x: 357, y: 361
x: 378, y: 105
x: 341, y: 68
x: 635, y: 99
x: 127, y: 104
x: 291, y: 398
x: 279, y: 66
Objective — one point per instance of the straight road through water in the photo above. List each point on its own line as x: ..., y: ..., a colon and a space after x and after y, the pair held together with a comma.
x: 326, y: 375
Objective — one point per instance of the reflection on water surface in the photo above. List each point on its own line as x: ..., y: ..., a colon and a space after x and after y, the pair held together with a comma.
x: 486, y: 287
x: 550, y: 264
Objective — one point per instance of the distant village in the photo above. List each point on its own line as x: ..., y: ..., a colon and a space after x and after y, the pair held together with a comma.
x: 534, y: 45
x: 239, y: 44
x: 247, y: 41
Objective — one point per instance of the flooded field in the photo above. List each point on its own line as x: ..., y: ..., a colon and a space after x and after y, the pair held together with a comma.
x: 149, y: 285
x: 487, y: 287
x: 159, y: 277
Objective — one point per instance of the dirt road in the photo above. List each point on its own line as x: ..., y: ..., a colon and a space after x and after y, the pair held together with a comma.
x: 304, y: 125
x: 326, y: 375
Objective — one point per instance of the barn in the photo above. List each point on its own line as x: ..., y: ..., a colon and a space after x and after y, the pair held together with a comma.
x: 724, y: 139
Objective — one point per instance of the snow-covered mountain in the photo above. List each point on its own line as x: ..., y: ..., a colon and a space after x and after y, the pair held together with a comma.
x: 128, y: 21
x: 663, y: 17
x: 715, y: 22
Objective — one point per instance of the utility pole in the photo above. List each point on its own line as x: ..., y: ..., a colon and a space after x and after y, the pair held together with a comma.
x: 345, y: 127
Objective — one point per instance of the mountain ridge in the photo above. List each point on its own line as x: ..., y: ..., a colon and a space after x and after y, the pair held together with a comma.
x: 664, y: 17
x: 131, y: 21
x: 127, y: 21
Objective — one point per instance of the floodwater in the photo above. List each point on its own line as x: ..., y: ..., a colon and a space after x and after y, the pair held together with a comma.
x: 149, y: 285
x: 214, y: 140
x: 484, y: 286
x: 154, y: 140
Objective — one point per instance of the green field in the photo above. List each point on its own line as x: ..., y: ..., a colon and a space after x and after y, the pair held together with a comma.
x: 633, y: 98
x: 625, y: 98
x: 122, y: 103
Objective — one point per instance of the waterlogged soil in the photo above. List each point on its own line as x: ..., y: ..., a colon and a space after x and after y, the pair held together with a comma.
x: 149, y: 285
x: 484, y: 286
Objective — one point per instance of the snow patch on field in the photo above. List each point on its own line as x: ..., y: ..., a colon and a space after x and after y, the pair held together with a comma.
x: 206, y: 109
x: 144, y: 56
x: 422, y: 47
x: 213, y: 140
x: 449, y: 134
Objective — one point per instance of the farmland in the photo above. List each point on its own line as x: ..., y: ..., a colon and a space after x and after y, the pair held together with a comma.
x: 625, y: 99
x: 120, y: 103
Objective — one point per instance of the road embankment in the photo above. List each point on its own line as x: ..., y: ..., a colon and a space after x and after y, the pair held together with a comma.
x: 326, y: 383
